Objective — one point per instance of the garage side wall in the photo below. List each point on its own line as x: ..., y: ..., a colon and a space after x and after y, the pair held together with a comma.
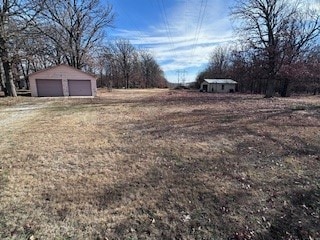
x: 33, y: 87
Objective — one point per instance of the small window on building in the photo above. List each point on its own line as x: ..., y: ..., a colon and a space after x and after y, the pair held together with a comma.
x: 222, y: 87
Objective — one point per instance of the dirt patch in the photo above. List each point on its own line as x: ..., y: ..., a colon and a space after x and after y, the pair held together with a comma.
x: 162, y: 164
x: 14, y: 118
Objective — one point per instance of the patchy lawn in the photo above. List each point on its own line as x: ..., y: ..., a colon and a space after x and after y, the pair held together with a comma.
x: 160, y: 164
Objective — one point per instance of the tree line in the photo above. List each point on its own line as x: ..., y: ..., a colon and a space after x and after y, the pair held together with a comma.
x: 278, y: 49
x: 35, y: 34
x: 121, y: 65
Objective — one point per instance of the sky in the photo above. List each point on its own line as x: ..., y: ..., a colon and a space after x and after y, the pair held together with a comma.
x: 180, y: 34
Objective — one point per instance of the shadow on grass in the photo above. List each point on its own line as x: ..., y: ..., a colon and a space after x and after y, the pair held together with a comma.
x: 182, y: 205
x: 185, y: 205
x: 299, y: 220
x: 171, y: 201
x: 203, y: 196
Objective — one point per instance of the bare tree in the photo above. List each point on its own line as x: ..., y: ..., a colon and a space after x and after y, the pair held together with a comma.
x: 272, y: 29
x: 122, y: 65
x: 300, y: 37
x: 218, y: 66
x: 219, y: 61
x: 124, y: 56
x: 107, y: 66
x: 150, y: 70
x: 4, y: 42
x: 74, y: 27
x: 15, y: 16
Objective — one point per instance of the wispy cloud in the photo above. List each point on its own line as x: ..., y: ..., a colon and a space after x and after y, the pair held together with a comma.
x: 188, y: 32
x: 187, y: 35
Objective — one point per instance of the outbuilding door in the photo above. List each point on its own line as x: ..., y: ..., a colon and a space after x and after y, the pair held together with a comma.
x: 79, y: 87
x: 49, y: 87
x: 205, y: 87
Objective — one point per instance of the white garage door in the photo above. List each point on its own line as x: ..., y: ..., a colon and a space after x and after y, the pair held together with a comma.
x: 49, y: 87
x: 79, y: 87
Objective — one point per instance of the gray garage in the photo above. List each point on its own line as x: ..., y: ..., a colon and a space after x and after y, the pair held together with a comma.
x: 49, y: 87
x: 62, y: 80
x: 79, y: 87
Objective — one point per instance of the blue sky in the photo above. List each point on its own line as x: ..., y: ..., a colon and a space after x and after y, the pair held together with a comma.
x: 181, y: 34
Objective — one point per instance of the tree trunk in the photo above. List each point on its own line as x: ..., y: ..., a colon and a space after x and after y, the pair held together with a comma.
x: 285, y: 88
x: 9, y: 84
x: 270, y: 91
x: 2, y: 80
x: 10, y: 89
x: 127, y: 80
x: 110, y: 85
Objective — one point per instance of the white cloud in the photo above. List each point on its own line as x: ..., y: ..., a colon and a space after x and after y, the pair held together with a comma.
x: 185, y: 43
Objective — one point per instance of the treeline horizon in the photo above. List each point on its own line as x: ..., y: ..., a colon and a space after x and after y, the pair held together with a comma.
x: 278, y: 50
x: 249, y: 70
x: 36, y: 34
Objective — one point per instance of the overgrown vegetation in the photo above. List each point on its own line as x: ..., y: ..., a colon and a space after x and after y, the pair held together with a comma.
x: 160, y: 164
x: 278, y: 50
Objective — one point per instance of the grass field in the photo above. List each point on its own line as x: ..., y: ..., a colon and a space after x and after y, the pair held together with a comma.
x: 160, y: 164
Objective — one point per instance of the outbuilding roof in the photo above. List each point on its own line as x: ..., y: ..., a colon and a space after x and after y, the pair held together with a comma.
x: 221, y: 81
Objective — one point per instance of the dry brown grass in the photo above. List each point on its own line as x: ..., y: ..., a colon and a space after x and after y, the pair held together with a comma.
x: 160, y: 164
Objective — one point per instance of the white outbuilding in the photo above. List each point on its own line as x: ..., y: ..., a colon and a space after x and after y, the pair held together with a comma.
x: 62, y: 80
x: 218, y: 85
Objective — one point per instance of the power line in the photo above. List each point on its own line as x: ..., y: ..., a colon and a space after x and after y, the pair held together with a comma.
x: 197, y: 27
x: 186, y: 13
x: 132, y: 22
x: 202, y: 11
x: 199, y: 23
x: 167, y: 27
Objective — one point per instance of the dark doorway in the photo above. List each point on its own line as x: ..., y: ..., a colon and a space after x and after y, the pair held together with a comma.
x: 205, y: 88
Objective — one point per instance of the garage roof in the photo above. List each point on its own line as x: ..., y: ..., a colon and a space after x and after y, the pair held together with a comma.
x: 221, y: 81
x: 59, y: 66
